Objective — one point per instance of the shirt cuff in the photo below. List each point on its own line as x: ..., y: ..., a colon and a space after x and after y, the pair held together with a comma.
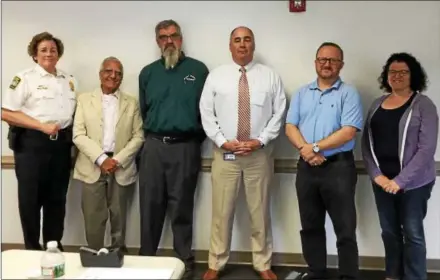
x: 262, y: 140
x: 220, y: 140
x: 11, y: 108
x: 101, y: 159
x: 357, y: 126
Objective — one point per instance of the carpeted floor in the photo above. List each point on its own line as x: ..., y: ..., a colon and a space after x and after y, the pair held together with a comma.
x: 246, y: 272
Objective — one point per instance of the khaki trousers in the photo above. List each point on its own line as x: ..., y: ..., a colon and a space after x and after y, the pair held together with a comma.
x: 256, y: 170
x: 101, y: 201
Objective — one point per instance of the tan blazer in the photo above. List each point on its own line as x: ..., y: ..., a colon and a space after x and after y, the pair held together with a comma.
x: 88, y: 133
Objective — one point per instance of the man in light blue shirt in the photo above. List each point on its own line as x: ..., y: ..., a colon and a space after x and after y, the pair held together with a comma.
x: 322, y: 121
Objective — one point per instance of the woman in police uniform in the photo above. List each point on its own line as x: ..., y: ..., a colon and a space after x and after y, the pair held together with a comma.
x: 39, y: 105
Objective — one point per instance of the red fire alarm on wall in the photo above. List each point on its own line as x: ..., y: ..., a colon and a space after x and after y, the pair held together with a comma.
x: 297, y: 6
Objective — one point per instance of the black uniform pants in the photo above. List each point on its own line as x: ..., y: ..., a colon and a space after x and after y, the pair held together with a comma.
x: 168, y: 177
x: 328, y: 188
x: 42, y: 167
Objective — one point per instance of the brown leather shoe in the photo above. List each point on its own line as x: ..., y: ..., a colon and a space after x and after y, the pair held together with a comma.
x: 267, y: 275
x: 210, y: 274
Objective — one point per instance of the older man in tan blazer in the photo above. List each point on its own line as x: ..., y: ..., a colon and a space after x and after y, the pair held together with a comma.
x: 108, y: 133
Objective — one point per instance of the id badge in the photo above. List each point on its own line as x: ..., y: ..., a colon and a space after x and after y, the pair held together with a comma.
x: 228, y: 156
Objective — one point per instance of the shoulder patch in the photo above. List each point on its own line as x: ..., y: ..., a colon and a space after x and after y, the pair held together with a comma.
x: 72, y: 85
x: 15, y: 82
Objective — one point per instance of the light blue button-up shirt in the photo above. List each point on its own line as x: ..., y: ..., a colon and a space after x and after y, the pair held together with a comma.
x: 318, y: 114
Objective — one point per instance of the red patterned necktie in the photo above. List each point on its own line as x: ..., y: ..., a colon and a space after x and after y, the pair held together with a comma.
x: 244, y: 108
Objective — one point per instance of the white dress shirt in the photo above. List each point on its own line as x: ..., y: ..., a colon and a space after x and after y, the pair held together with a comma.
x: 110, y: 104
x: 43, y: 96
x: 219, y: 103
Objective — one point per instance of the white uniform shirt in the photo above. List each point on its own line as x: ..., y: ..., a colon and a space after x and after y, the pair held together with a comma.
x: 43, y: 96
x: 219, y: 103
x: 110, y: 109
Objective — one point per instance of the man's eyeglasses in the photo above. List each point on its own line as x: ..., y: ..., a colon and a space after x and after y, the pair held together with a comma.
x: 323, y: 60
x: 173, y: 37
x: 111, y: 71
x: 400, y: 72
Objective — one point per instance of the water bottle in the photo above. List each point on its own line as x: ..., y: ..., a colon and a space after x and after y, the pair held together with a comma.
x: 52, y: 262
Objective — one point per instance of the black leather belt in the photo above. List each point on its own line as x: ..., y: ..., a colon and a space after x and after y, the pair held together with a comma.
x: 171, y: 139
x: 337, y: 157
x: 62, y: 134
x: 340, y: 156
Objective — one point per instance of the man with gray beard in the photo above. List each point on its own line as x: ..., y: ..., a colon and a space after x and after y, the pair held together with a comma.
x: 170, y: 55
x: 169, y: 94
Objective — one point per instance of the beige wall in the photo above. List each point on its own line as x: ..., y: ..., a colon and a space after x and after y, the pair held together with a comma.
x: 368, y: 32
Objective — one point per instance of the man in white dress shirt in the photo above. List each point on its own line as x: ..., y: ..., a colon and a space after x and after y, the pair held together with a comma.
x: 108, y: 133
x: 242, y: 107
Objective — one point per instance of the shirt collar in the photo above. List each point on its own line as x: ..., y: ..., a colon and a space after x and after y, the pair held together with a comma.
x: 336, y: 84
x: 247, y: 67
x: 43, y: 72
x: 115, y: 94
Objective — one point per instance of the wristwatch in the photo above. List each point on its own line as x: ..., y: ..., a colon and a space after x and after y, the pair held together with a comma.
x: 315, y: 148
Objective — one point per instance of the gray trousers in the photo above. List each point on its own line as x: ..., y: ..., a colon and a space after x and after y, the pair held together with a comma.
x: 102, y: 201
x: 167, y: 183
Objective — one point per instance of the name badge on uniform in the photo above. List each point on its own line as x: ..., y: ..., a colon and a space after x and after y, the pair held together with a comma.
x: 72, y: 86
x: 41, y: 87
x: 228, y: 156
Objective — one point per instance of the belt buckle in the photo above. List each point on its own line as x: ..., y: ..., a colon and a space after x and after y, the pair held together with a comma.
x: 165, y: 139
x: 53, y: 137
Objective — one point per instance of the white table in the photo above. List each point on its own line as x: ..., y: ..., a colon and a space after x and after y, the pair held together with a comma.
x: 17, y: 264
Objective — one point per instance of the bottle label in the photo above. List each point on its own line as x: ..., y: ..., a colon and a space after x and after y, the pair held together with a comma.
x: 53, y: 272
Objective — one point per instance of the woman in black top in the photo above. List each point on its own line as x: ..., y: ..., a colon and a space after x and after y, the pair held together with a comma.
x: 398, y: 145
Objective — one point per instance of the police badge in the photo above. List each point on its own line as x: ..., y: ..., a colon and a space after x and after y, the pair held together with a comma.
x: 15, y: 82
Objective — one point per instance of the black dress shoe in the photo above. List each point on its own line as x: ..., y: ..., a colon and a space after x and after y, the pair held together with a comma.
x: 304, y: 276
x: 307, y: 276
x: 123, y: 249
x: 189, y: 272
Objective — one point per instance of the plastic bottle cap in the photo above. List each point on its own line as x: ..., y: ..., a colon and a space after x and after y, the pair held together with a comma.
x: 52, y: 244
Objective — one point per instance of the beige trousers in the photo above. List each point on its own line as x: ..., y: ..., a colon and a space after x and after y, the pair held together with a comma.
x: 101, y: 201
x: 256, y: 170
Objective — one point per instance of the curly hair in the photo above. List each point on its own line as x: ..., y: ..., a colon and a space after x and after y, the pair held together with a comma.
x: 45, y: 36
x: 419, y: 79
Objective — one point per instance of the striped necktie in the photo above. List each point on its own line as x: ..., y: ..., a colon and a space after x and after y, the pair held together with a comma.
x: 244, y: 108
